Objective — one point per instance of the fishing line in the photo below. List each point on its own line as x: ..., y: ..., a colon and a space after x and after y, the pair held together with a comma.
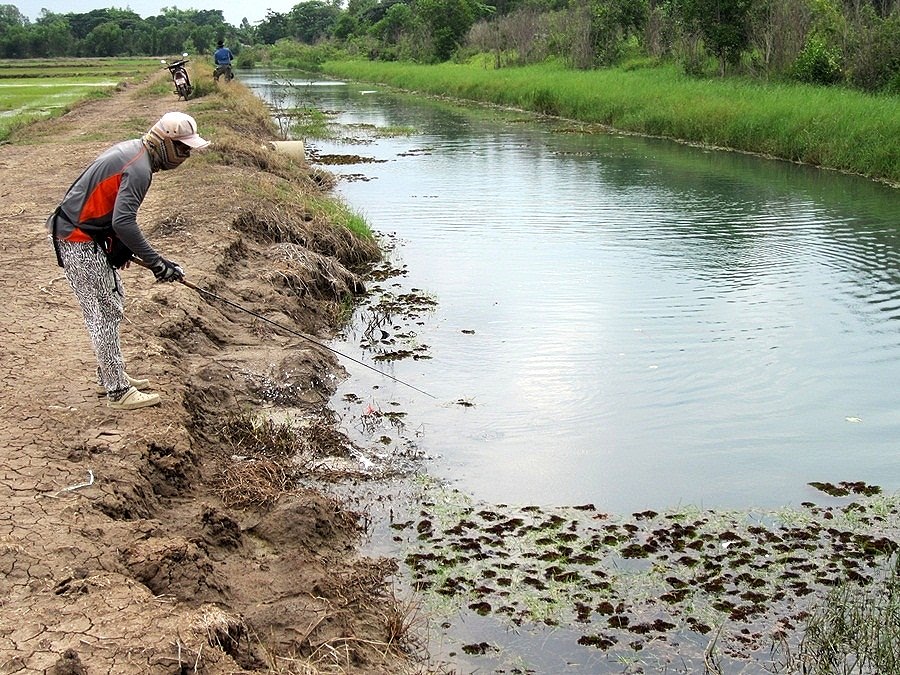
x: 210, y: 294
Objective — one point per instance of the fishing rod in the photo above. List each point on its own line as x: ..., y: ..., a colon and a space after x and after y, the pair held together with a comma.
x: 210, y: 294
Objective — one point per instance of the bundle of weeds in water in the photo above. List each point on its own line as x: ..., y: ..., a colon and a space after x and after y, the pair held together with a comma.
x: 271, y: 456
x: 856, y: 630
x: 321, y: 439
x: 260, y: 482
x: 250, y: 436
x: 308, y: 273
x: 265, y: 466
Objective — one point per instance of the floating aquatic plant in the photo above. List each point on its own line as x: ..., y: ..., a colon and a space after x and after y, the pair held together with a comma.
x: 734, y: 580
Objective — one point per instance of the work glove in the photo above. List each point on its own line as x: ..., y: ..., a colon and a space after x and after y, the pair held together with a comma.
x: 165, y: 270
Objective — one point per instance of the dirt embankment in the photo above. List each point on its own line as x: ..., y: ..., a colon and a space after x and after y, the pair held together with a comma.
x: 168, y: 540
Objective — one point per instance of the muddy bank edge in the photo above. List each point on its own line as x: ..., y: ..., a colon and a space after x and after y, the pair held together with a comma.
x: 173, y: 539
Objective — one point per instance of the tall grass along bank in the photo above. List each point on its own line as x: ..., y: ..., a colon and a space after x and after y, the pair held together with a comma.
x: 828, y: 127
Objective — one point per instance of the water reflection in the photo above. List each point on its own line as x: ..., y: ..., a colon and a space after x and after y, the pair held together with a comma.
x: 639, y: 324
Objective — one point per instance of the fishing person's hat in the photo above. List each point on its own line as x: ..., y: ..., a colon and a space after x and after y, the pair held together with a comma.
x: 167, y: 138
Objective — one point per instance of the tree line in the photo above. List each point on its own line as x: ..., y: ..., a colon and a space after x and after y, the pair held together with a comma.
x: 852, y: 42
x: 110, y: 32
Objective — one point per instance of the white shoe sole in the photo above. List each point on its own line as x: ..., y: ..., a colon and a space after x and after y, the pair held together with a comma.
x: 134, y: 400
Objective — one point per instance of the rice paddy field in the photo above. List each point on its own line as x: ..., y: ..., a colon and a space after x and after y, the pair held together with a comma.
x: 32, y: 89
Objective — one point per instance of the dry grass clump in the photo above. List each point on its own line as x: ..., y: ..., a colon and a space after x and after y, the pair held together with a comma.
x: 235, y: 149
x: 274, y: 224
x: 264, y: 467
x: 248, y: 115
x: 361, y: 591
x: 270, y: 456
x: 249, y: 436
x: 308, y: 273
x: 219, y: 628
x: 321, y: 439
x: 309, y: 227
x: 254, y: 483
x: 242, y: 137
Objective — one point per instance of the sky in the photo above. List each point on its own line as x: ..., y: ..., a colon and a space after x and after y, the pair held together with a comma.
x: 233, y: 10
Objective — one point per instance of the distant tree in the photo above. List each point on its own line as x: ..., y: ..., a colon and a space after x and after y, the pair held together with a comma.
x: 723, y: 24
x: 204, y: 39
x: 518, y: 36
x: 875, y: 60
x: 368, y: 12
x: 612, y: 22
x: 312, y: 20
x: 106, y: 39
x: 207, y: 17
x: 14, y: 43
x: 172, y: 40
x: 448, y: 21
x: 246, y: 33
x: 52, y: 36
x: 397, y: 20
x: 345, y: 26
x: 83, y: 24
x: 570, y: 34
x: 818, y: 63
x: 272, y: 28
x: 11, y: 17
x: 778, y: 30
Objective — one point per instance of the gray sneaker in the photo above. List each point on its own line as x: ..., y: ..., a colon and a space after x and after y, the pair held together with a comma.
x: 134, y: 399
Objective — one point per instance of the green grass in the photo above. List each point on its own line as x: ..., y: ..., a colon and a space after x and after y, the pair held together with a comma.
x: 117, y: 68
x: 854, y: 630
x: 28, y: 95
x: 309, y: 123
x: 34, y: 89
x: 338, y: 213
x: 824, y: 126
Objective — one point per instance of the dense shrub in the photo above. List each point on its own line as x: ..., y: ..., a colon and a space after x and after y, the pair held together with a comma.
x: 818, y: 63
x: 874, y: 63
x: 294, y: 54
x: 246, y: 58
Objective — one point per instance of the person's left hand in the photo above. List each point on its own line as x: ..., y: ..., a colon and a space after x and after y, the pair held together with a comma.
x: 165, y: 270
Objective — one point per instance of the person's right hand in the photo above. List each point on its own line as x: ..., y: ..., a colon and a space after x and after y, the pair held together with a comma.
x: 165, y: 270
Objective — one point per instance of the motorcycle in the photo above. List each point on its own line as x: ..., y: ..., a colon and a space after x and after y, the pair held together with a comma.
x: 180, y: 77
x: 223, y: 71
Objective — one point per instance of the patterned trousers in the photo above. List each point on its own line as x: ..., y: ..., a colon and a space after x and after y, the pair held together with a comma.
x: 99, y: 291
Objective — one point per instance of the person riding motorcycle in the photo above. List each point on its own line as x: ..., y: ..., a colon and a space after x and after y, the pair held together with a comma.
x: 222, y: 58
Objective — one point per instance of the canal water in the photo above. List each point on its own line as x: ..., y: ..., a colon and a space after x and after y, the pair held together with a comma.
x: 604, y: 319
x: 622, y: 321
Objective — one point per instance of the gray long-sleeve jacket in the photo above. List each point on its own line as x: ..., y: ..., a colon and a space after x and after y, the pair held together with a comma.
x: 104, y: 200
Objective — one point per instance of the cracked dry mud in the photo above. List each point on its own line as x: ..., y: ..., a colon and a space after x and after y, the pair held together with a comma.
x: 144, y: 569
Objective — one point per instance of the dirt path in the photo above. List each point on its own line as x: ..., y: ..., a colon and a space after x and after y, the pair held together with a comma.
x: 117, y: 553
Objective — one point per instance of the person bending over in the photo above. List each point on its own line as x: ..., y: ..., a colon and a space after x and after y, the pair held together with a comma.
x: 95, y: 232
